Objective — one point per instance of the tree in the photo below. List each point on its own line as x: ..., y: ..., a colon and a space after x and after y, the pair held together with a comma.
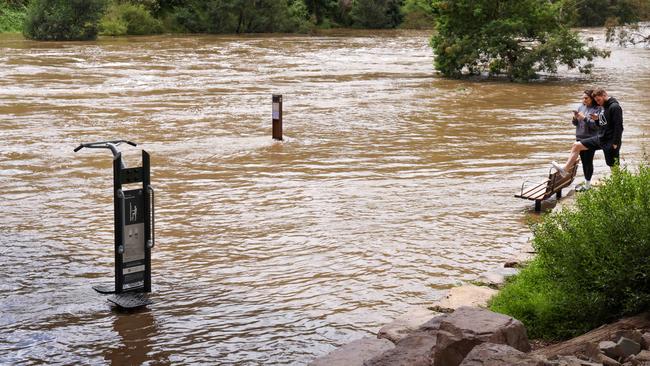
x: 376, y: 13
x: 319, y: 8
x: 630, y: 34
x: 516, y: 38
x: 241, y: 16
x: 594, y: 13
x: 417, y: 14
x: 64, y: 20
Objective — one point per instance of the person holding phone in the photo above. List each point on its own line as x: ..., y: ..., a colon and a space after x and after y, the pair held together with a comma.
x: 585, y: 118
x: 609, y: 135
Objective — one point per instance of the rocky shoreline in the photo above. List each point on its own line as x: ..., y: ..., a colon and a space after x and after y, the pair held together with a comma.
x: 459, y: 330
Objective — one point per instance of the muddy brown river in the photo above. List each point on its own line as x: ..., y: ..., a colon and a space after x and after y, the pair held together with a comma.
x: 392, y: 185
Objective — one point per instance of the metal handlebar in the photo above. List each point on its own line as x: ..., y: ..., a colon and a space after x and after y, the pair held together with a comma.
x: 111, y: 145
x: 105, y: 145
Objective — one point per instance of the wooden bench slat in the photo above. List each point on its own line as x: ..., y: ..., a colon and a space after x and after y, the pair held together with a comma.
x: 552, y: 186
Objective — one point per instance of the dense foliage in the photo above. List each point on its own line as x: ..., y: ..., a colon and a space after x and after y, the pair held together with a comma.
x: 516, y: 38
x: 127, y: 18
x: 593, y: 262
x: 240, y: 16
x: 376, y: 13
x: 592, y: 13
x: 121, y: 17
x: 12, y: 16
x: 418, y: 14
x: 63, y: 19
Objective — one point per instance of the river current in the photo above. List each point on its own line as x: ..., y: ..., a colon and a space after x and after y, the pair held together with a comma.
x: 392, y: 185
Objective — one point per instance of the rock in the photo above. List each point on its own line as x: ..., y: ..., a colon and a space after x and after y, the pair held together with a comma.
x: 607, y: 347
x: 416, y: 348
x: 646, y: 340
x: 576, y: 345
x: 572, y: 361
x: 512, y: 264
x: 491, y: 354
x: 591, y: 351
x: 632, y: 334
x: 625, y: 348
x: 468, y: 327
x: 497, y: 277
x: 354, y: 353
x: 413, y: 350
x: 606, y: 361
x: 466, y: 295
x: 643, y: 356
x: 406, y: 324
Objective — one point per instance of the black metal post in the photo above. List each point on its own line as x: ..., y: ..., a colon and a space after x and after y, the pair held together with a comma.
x: 118, y: 202
x: 146, y: 183
x: 277, y: 116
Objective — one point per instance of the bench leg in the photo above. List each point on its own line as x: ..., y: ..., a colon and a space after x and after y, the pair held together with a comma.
x: 538, y: 205
x: 558, y: 195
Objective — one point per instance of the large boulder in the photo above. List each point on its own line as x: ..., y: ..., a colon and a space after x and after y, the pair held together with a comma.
x: 416, y: 349
x: 406, y: 324
x: 468, y: 327
x: 354, y: 353
x: 491, y: 354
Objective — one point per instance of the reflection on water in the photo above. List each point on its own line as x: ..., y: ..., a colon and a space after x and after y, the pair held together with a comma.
x: 138, y: 332
x: 391, y: 185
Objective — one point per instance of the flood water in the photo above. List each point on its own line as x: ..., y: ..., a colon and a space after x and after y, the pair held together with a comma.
x: 392, y: 185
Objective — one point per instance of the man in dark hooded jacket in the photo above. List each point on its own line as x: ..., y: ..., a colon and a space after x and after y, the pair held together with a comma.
x: 609, y: 135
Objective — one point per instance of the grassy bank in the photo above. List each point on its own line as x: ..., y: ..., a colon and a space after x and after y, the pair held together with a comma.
x: 12, y: 18
x: 592, y: 263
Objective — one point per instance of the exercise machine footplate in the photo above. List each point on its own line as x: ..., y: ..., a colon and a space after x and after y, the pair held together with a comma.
x: 130, y: 300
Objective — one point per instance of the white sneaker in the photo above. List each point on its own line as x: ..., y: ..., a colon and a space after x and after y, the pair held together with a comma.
x: 582, y: 188
x: 560, y: 169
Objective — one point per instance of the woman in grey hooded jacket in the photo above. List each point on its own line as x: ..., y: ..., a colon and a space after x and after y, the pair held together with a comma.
x: 586, y: 127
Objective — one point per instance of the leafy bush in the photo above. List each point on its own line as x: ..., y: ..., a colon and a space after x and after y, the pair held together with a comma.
x: 514, y: 38
x: 418, y: 14
x: 592, y: 264
x: 376, y: 13
x: 596, y: 12
x: 241, y: 16
x: 63, y: 19
x: 12, y: 17
x: 127, y: 18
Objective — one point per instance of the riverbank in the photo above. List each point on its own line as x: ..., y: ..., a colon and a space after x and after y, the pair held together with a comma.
x: 591, y: 281
x: 415, y: 338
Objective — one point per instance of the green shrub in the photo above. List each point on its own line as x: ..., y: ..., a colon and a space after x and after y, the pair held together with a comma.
x: 376, y: 13
x: 518, y: 39
x: 12, y: 17
x: 592, y: 263
x: 221, y: 16
x: 64, y: 20
x: 127, y: 18
x: 418, y: 14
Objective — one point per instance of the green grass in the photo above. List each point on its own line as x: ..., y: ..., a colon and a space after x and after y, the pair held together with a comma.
x: 592, y: 263
x: 12, y: 18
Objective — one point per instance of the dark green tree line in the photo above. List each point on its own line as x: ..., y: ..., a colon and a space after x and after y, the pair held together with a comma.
x: 65, y: 20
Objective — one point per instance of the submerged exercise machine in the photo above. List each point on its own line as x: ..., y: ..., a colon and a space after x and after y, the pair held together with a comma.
x: 134, y: 229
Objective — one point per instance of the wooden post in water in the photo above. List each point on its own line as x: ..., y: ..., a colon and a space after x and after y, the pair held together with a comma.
x: 277, y: 117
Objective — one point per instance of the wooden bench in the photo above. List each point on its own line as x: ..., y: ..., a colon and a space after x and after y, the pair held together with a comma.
x: 552, y: 186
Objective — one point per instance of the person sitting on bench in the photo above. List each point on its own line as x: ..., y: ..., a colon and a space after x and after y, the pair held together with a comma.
x: 585, y: 118
x: 608, y: 138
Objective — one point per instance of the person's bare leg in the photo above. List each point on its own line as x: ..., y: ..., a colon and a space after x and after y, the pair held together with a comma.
x: 575, y: 154
x: 573, y: 158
